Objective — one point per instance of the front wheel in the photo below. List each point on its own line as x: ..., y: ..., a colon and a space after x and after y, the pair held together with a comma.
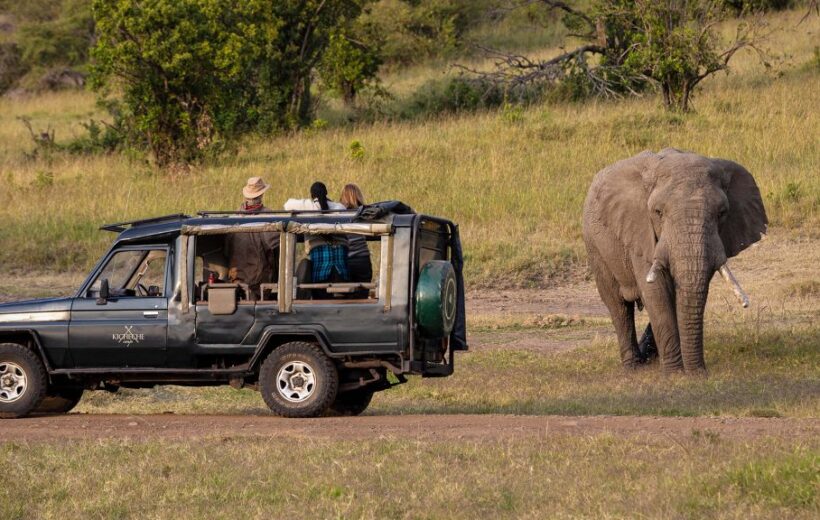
x: 22, y: 381
x: 298, y: 380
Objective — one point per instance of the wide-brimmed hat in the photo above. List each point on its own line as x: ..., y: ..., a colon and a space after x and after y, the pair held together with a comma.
x: 255, y: 188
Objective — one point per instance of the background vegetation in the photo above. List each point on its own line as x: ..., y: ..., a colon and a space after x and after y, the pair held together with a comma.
x: 514, y: 177
x: 525, y: 170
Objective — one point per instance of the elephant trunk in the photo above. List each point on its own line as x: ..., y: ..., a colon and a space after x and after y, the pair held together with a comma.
x: 693, y: 271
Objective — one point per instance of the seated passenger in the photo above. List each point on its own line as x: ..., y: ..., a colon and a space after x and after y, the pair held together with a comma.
x: 328, y: 253
x: 253, y: 257
x: 358, y: 254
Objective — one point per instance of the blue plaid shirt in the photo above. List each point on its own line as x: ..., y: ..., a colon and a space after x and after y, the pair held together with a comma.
x: 325, y: 258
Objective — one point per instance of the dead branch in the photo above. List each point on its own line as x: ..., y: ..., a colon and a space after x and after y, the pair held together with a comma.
x: 814, y: 5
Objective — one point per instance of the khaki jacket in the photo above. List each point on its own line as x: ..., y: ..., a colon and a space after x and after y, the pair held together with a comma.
x: 253, y: 258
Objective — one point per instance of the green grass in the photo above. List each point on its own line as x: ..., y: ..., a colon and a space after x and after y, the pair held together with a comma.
x: 515, y: 185
x: 771, y: 374
x: 555, y: 476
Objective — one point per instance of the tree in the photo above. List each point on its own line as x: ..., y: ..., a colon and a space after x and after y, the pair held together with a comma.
x: 63, y: 40
x: 348, y: 66
x: 673, y: 44
x: 195, y: 73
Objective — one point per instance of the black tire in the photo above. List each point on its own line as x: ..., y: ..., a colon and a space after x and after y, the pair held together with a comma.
x: 23, y: 381
x: 286, y: 384
x: 60, y: 399
x: 351, y: 403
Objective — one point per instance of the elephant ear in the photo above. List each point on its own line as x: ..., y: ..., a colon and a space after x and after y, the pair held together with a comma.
x: 621, y: 205
x: 746, y: 220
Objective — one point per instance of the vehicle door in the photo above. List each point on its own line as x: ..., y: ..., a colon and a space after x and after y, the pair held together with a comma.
x: 129, y: 327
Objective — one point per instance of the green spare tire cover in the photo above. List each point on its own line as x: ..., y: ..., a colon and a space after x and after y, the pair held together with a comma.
x: 436, y: 299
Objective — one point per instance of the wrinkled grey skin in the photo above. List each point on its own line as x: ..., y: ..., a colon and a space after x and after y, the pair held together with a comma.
x: 688, y: 212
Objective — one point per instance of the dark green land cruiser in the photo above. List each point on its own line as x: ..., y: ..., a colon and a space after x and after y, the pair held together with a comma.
x: 158, y: 309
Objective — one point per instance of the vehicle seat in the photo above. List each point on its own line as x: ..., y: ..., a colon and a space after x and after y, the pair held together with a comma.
x: 304, y: 275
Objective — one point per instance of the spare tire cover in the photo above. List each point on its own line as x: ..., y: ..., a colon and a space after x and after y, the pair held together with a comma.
x: 436, y: 296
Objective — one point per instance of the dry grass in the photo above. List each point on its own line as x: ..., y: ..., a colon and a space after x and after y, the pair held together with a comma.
x: 752, y: 373
x: 554, y: 476
x: 525, y: 177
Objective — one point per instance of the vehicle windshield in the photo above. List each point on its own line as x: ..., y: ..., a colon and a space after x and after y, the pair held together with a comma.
x: 131, y: 269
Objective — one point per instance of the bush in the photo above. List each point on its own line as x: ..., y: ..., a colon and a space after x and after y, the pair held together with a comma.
x: 408, y: 31
x: 750, y: 6
x: 348, y: 66
x: 195, y: 73
x: 11, y: 66
x: 452, y: 95
x: 62, y: 41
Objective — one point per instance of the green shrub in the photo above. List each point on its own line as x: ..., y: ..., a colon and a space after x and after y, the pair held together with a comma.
x: 63, y: 40
x: 348, y: 66
x: 747, y: 6
x: 195, y: 73
x: 11, y: 66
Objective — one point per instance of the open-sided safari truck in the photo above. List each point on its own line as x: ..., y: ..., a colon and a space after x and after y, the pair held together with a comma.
x: 157, y: 309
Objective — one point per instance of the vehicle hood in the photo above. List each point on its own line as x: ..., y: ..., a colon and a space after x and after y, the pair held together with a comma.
x: 34, y: 310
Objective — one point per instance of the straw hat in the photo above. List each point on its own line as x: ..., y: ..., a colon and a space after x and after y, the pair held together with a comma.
x: 255, y: 188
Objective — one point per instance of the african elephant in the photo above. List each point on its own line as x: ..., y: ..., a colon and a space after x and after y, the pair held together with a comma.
x: 657, y: 226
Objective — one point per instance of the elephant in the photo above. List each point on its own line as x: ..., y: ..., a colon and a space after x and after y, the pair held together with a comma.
x: 657, y: 226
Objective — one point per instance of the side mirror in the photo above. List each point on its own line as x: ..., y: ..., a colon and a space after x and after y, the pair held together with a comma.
x: 104, y: 292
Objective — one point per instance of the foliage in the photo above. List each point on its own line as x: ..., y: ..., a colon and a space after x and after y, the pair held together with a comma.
x: 408, y: 31
x: 673, y: 43
x: 61, y: 40
x: 748, y: 6
x: 11, y: 66
x: 348, y: 66
x: 670, y: 43
x: 194, y: 73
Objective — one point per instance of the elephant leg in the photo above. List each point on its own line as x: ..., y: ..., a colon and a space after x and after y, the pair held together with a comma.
x: 662, y: 316
x: 623, y: 317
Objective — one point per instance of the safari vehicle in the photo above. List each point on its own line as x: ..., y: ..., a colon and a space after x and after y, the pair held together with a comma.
x: 157, y: 310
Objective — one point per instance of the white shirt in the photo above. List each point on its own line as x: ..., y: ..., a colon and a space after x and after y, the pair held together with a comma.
x: 310, y: 205
x: 312, y: 241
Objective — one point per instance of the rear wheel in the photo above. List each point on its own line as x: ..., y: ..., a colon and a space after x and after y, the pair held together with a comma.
x: 22, y: 381
x: 60, y: 399
x: 298, y: 380
x: 351, y: 403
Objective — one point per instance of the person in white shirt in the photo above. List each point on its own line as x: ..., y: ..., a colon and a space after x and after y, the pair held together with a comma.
x: 328, y: 253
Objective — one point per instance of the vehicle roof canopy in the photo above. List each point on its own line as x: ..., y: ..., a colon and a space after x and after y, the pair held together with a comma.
x: 372, y: 220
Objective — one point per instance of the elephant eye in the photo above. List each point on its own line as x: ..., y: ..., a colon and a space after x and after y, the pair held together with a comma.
x: 659, y: 212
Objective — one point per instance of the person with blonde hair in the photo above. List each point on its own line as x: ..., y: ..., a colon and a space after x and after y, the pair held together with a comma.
x: 358, y: 255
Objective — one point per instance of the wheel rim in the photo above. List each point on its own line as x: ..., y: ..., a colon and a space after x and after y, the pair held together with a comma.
x: 13, y: 382
x: 296, y: 381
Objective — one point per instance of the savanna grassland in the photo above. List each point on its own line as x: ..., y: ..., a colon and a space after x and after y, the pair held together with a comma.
x: 523, y: 171
x: 515, y: 181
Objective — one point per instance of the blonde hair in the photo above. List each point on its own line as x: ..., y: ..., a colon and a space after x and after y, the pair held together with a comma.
x: 352, y: 196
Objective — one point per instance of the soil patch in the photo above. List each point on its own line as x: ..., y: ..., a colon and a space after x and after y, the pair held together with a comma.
x: 416, y: 427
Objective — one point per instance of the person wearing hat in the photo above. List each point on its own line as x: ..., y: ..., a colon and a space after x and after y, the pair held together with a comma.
x: 253, y: 257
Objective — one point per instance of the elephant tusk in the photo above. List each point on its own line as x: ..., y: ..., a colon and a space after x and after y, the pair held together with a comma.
x: 652, y: 275
x: 738, y: 290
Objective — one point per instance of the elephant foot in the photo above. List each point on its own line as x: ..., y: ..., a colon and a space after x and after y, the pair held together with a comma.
x: 672, y: 368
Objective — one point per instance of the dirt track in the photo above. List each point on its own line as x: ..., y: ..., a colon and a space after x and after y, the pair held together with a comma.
x: 426, y: 427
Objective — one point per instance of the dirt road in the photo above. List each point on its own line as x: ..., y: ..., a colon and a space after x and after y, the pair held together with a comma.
x: 417, y: 427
